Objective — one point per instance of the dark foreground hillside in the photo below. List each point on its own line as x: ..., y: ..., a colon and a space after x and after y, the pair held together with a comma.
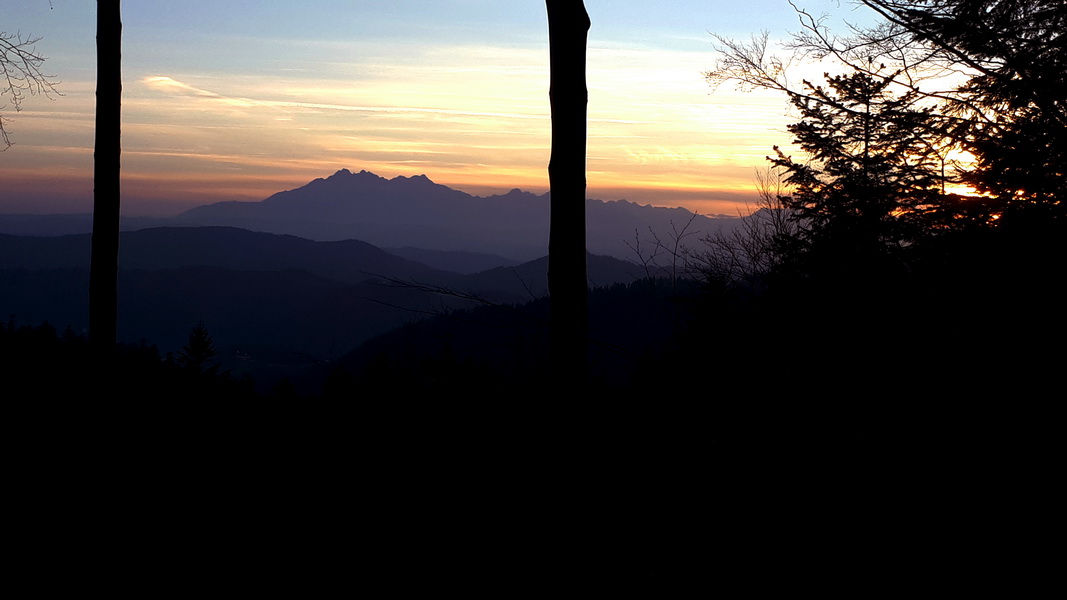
x: 499, y: 352
x: 495, y: 351
x: 489, y: 485
x: 704, y: 449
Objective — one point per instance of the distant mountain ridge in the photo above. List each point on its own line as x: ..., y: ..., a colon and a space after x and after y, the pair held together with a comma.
x: 416, y: 212
x: 225, y: 247
x: 462, y: 232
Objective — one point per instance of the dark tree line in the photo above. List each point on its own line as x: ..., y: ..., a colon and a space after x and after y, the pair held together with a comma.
x: 42, y: 362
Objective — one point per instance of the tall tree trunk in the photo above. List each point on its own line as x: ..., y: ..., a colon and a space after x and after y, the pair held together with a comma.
x: 568, y: 30
x: 103, y: 274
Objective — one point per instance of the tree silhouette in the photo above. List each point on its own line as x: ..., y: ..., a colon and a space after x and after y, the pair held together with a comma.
x: 887, y: 264
x: 996, y: 70
x: 103, y: 279
x: 984, y: 79
x: 1015, y: 54
x: 874, y: 171
x: 568, y: 27
x: 198, y: 354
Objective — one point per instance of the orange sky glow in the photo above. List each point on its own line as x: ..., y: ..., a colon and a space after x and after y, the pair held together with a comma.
x: 472, y: 115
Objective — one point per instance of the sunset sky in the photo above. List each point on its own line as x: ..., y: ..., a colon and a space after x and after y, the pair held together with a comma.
x: 239, y: 99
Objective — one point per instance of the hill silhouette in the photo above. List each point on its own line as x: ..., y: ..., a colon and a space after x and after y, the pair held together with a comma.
x: 500, y: 350
x: 226, y: 247
x: 272, y: 302
x: 453, y: 260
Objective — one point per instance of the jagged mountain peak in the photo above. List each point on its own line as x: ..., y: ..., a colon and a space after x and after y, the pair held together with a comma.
x: 344, y: 179
x: 517, y: 195
x: 344, y: 175
x: 341, y: 183
x: 418, y: 178
x: 415, y: 181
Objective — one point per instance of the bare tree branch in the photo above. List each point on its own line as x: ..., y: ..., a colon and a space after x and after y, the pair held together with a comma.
x: 21, y: 75
x: 746, y: 255
x: 680, y: 255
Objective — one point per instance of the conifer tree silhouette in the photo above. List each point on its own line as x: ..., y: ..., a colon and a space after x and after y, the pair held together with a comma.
x: 199, y: 353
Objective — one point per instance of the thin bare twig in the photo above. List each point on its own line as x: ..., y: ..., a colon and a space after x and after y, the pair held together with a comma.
x: 20, y: 72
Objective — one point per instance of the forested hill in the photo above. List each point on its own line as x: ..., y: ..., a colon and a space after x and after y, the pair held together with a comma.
x: 267, y: 298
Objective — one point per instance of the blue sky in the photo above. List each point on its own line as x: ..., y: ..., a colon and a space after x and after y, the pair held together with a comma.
x: 238, y: 99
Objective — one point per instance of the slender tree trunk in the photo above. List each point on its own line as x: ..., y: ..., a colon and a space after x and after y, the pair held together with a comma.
x: 103, y: 273
x: 568, y: 30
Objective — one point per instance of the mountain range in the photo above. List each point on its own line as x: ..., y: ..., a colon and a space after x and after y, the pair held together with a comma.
x: 308, y: 274
x: 411, y: 214
x: 416, y: 212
